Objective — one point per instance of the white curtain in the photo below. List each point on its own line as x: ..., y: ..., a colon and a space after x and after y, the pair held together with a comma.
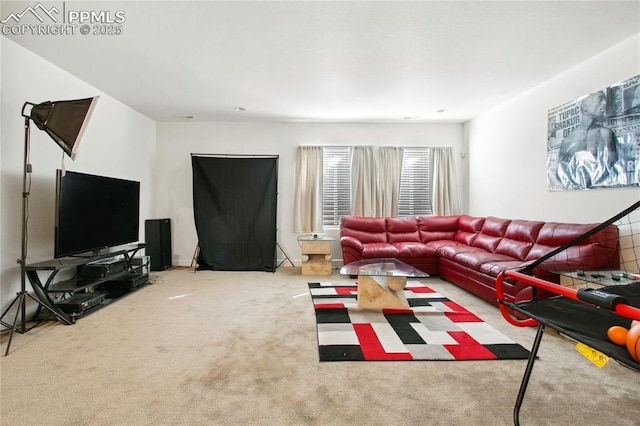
x: 388, y: 180
x: 444, y: 194
x: 307, y: 205
x: 363, y: 181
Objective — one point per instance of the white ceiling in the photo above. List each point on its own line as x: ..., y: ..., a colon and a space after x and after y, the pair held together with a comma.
x: 320, y: 61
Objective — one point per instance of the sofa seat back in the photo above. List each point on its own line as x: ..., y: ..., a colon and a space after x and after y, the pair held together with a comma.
x: 468, y: 229
x: 599, y: 251
x: 400, y: 230
x: 365, y: 229
x: 438, y: 228
x: 491, y: 234
x: 519, y: 238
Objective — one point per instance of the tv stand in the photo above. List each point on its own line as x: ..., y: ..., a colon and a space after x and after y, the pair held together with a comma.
x: 84, y: 293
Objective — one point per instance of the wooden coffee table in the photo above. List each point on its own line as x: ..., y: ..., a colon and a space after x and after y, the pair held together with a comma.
x: 381, y: 282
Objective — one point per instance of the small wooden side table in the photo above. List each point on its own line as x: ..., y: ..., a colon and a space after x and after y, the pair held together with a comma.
x: 316, y: 254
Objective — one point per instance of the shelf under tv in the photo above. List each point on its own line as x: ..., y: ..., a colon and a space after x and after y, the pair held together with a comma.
x: 81, y: 286
x: 79, y: 283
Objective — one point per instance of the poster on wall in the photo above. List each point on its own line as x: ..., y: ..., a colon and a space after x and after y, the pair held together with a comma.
x: 594, y: 141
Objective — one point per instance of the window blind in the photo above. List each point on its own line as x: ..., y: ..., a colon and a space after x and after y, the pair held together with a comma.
x: 414, y: 197
x: 336, y: 184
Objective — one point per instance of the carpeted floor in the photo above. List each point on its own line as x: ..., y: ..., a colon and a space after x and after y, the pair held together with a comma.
x: 221, y: 348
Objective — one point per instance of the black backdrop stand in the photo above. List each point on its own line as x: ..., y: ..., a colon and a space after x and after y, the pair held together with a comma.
x: 196, y: 253
x: 286, y: 257
x: 235, y: 211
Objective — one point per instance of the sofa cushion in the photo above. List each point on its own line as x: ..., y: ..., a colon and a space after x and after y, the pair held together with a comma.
x: 468, y: 229
x: 435, y: 228
x: 365, y: 229
x: 373, y: 250
x: 451, y: 251
x: 414, y: 250
x: 492, y: 232
x: 402, y: 229
x: 494, y: 268
x: 436, y: 245
x: 514, y: 248
x: 519, y: 238
x: 524, y: 230
x: 476, y: 259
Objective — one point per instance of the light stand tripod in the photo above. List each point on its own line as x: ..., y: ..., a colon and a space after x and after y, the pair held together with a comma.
x: 286, y: 257
x: 21, y: 297
x: 63, y: 121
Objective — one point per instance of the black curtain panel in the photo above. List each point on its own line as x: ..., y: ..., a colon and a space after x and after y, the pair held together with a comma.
x: 234, y: 204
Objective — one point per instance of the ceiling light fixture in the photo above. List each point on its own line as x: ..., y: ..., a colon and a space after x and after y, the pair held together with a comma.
x: 240, y: 109
x: 441, y: 110
x: 190, y: 117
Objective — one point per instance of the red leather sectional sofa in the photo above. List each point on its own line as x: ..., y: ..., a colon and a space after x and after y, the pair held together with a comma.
x: 471, y: 251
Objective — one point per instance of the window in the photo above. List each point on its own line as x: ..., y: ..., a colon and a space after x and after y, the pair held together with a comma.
x: 414, y: 198
x: 336, y: 184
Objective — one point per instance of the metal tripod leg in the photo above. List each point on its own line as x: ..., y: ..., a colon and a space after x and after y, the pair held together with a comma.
x: 20, y: 299
x: 527, y: 375
x: 194, y: 259
x: 286, y: 258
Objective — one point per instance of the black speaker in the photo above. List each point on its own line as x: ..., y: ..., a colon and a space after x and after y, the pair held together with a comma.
x: 158, y: 237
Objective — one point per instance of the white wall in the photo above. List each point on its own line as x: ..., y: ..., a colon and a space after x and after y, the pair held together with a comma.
x: 176, y: 141
x: 118, y: 142
x: 507, y: 147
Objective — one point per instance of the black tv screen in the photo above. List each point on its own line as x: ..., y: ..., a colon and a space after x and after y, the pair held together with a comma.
x: 94, y: 212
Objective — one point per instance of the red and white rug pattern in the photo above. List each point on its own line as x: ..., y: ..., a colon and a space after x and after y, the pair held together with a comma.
x: 433, y: 328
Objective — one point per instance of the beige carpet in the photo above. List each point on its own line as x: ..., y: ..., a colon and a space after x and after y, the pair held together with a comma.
x: 214, y: 348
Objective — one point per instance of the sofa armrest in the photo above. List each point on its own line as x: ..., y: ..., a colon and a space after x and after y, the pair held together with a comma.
x: 351, y: 249
x: 352, y: 242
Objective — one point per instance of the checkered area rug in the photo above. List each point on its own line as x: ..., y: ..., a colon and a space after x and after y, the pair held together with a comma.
x: 433, y: 328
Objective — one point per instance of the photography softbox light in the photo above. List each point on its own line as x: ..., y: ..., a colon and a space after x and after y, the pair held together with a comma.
x: 63, y: 120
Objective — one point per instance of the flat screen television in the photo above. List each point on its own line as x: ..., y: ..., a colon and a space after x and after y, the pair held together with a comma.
x: 94, y: 213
